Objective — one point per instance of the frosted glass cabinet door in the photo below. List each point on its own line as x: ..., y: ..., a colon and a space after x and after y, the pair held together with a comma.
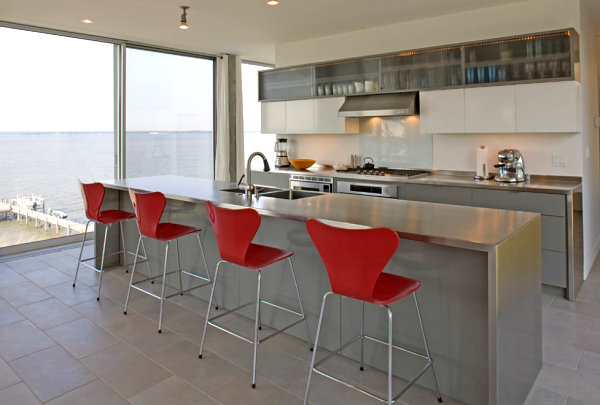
x: 490, y: 109
x: 442, y: 111
x: 272, y: 117
x: 299, y: 117
x: 326, y: 120
x: 548, y: 107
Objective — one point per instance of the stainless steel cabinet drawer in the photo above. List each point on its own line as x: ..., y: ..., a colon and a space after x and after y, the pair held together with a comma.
x: 554, y: 268
x: 547, y: 204
x: 554, y: 233
x: 438, y: 194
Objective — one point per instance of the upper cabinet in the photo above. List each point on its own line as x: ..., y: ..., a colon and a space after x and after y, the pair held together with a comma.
x: 306, y: 117
x: 490, y: 109
x: 285, y: 84
x: 548, y: 107
x: 442, y: 111
x: 549, y: 56
x: 535, y: 107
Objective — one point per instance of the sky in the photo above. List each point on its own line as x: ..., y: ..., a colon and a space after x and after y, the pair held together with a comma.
x: 54, y: 83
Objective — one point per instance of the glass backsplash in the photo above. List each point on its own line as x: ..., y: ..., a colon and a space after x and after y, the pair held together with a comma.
x: 395, y: 142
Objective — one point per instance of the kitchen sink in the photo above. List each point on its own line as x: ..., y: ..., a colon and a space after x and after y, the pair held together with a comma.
x: 261, y: 190
x: 290, y: 194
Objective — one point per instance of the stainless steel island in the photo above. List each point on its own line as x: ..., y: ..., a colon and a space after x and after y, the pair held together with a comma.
x: 480, y: 271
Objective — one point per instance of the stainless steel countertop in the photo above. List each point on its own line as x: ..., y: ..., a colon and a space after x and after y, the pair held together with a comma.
x: 536, y: 183
x: 465, y: 227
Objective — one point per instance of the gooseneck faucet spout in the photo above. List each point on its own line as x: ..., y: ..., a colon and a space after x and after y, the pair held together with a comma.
x: 251, y: 188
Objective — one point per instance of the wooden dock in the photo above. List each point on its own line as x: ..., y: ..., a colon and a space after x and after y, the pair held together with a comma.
x: 39, y: 219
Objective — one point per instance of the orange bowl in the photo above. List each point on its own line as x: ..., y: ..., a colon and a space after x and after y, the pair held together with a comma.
x: 302, y: 163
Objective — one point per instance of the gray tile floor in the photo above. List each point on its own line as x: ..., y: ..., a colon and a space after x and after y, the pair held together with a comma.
x: 60, y: 346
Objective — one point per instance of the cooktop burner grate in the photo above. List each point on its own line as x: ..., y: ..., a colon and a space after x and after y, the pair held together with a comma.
x: 384, y: 171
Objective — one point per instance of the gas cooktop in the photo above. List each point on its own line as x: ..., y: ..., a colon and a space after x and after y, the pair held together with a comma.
x: 384, y: 171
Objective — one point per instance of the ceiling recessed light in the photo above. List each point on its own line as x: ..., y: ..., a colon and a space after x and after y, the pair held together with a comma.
x: 273, y: 2
x: 87, y: 21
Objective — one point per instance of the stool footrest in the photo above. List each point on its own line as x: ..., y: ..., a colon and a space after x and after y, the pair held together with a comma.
x: 428, y: 364
x: 135, y: 284
x: 83, y: 261
x: 245, y: 339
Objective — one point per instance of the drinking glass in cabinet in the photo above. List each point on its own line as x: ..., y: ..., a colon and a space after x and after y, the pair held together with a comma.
x: 470, y: 75
x: 491, y: 71
x: 328, y: 89
x: 320, y: 90
x: 481, y: 74
x: 360, y: 86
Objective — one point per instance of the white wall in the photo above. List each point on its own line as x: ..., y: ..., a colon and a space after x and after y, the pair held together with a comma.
x: 590, y: 146
x: 457, y: 151
x: 512, y: 19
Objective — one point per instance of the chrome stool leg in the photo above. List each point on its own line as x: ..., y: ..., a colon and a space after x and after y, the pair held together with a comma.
x: 123, y: 245
x: 310, y: 346
x: 205, y: 264
x: 179, y: 267
x: 81, y: 252
x: 256, y: 320
x: 137, y: 250
x: 362, y: 337
x: 107, y: 227
x: 314, y: 355
x: 162, y: 292
x: 437, y: 389
x: 390, y: 349
x: 212, y: 293
x: 147, y: 260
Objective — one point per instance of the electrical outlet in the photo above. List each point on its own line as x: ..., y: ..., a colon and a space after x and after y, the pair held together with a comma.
x: 597, y: 122
x: 559, y: 160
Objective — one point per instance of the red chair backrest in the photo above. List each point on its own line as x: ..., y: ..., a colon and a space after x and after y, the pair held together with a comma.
x: 234, y: 230
x: 93, y: 194
x: 353, y: 258
x: 148, y: 208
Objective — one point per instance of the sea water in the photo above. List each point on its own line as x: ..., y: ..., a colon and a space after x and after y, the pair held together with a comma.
x: 49, y: 164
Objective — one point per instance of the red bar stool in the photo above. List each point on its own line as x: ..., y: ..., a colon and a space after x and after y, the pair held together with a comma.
x: 234, y: 230
x: 149, y: 208
x: 93, y: 195
x: 355, y: 259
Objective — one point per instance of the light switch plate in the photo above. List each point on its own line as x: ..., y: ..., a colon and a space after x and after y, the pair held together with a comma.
x: 597, y: 122
x: 559, y: 160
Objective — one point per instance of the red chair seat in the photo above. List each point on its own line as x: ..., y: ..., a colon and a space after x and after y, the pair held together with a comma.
x: 166, y: 231
x: 390, y: 288
x: 259, y: 256
x: 111, y: 216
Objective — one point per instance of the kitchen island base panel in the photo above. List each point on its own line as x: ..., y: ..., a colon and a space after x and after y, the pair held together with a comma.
x: 468, y: 301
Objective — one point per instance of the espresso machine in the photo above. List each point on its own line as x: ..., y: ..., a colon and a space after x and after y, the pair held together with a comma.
x: 511, y: 168
x: 281, y: 153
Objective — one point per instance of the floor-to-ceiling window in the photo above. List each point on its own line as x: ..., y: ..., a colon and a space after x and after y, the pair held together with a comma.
x: 254, y: 140
x: 169, y: 114
x: 56, y: 126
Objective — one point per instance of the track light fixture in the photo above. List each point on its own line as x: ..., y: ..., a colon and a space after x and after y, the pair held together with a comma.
x: 183, y: 24
x: 273, y: 2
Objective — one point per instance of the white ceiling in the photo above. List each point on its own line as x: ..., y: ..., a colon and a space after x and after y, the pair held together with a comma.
x: 243, y: 27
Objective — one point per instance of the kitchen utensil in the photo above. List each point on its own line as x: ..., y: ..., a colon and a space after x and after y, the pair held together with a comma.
x: 302, y: 163
x: 281, y: 151
x: 511, y: 168
x: 369, y: 165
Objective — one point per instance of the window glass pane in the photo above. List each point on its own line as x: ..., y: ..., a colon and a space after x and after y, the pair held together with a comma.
x: 169, y: 115
x: 56, y: 126
x: 254, y: 140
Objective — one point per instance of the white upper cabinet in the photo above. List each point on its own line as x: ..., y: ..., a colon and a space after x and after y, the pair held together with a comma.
x: 272, y: 117
x: 299, y: 117
x: 490, y: 109
x: 311, y: 116
x: 442, y: 111
x: 326, y: 118
x: 548, y: 107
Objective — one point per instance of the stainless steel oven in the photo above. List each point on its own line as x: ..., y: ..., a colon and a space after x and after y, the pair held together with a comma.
x: 311, y: 183
x: 389, y: 190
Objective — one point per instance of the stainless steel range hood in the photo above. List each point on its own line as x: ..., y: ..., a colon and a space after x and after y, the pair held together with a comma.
x: 380, y: 105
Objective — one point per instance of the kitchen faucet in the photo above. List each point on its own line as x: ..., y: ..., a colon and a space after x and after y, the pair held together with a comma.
x: 251, y: 188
